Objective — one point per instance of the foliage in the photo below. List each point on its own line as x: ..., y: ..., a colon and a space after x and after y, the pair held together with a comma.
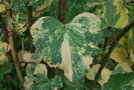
x: 123, y: 82
x: 66, y: 54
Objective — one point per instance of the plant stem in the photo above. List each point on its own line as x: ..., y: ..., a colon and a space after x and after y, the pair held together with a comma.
x: 113, y: 46
x: 7, y: 64
x: 11, y: 42
x: 113, y: 34
x: 106, y: 39
x: 62, y: 10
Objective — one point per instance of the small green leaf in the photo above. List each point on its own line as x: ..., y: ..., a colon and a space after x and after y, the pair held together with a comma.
x: 35, y: 74
x: 54, y: 83
x: 119, y: 81
x: 110, y: 17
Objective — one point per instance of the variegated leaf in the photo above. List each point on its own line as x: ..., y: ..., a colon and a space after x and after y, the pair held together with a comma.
x: 35, y: 74
x: 52, y: 84
x: 66, y: 45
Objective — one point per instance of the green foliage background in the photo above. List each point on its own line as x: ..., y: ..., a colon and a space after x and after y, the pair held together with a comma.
x: 61, y: 55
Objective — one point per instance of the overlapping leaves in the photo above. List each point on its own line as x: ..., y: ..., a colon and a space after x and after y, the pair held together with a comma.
x: 37, y: 78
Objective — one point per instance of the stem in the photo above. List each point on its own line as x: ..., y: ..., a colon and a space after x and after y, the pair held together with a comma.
x: 113, y: 34
x: 113, y: 46
x: 61, y: 18
x: 7, y: 64
x: 62, y: 11
x: 30, y: 16
x: 106, y: 39
x: 11, y: 42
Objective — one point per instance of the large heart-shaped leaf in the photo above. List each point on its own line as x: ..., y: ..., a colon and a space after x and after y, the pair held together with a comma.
x: 67, y: 45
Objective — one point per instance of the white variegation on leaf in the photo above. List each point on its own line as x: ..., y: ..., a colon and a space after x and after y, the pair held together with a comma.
x: 35, y: 74
x: 92, y: 23
x: 66, y: 64
x: 40, y: 68
x: 66, y: 46
x: 25, y: 56
x: 3, y: 59
x: 87, y: 61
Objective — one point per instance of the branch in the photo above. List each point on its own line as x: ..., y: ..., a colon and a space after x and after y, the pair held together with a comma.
x: 62, y: 10
x: 11, y: 42
x: 113, y: 46
x: 7, y: 64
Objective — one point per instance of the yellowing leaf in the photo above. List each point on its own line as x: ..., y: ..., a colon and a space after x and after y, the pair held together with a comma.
x: 105, y: 75
x: 55, y: 89
x: 92, y: 72
x: 125, y: 67
x: 4, y: 48
x: 3, y: 59
x: 133, y: 84
x: 2, y: 8
x: 88, y: 61
x: 124, y: 18
x: 120, y: 55
x: 22, y: 27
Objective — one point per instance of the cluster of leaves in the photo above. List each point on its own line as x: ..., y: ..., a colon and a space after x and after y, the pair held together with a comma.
x: 68, y: 56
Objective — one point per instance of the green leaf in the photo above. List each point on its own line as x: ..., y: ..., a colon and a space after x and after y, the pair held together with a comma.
x: 120, y: 81
x: 75, y: 7
x: 54, y: 83
x: 66, y: 45
x: 118, y: 70
x: 41, y: 3
x: 110, y: 17
x: 78, y: 85
x: 35, y: 74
